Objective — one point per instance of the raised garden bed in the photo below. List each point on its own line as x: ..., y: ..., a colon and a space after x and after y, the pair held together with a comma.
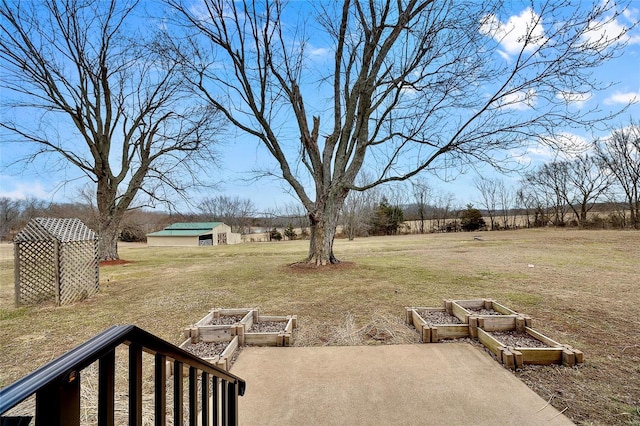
x: 221, y: 325
x: 269, y: 330
x: 488, y: 315
x: 517, y: 348
x: 218, y: 336
x: 506, y: 333
x: 219, y: 353
x: 434, y: 324
x: 245, y: 324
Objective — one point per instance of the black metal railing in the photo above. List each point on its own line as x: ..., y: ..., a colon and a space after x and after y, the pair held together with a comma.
x: 56, y: 385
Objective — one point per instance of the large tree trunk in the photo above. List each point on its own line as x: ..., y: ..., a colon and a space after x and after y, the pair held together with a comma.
x: 324, y: 223
x: 108, y: 246
x: 110, y: 214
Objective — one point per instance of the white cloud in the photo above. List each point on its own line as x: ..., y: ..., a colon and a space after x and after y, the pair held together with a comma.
x: 569, y: 145
x: 574, y: 97
x: 565, y: 146
x: 543, y: 152
x: 605, y: 32
x: 519, y: 101
x: 608, y: 30
x: 520, y: 156
x: 21, y: 190
x: 520, y: 32
x: 318, y: 52
x: 630, y: 14
x: 623, y: 98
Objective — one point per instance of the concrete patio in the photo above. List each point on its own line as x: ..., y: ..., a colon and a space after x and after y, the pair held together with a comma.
x: 436, y: 384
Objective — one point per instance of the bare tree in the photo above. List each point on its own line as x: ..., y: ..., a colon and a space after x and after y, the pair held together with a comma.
x: 506, y: 200
x: 421, y: 196
x: 489, y: 191
x: 443, y: 207
x: 587, y: 185
x: 410, y: 86
x: 358, y: 209
x: 90, y: 92
x: 550, y: 184
x: 234, y: 211
x: 619, y: 155
x: 524, y: 201
x: 398, y: 196
x: 574, y: 185
x: 10, y: 211
x: 356, y: 214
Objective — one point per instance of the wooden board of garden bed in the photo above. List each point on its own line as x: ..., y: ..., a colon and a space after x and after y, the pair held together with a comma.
x: 515, y: 349
x: 220, y: 353
x: 488, y: 315
x: 220, y: 325
x: 271, y: 330
x: 434, y: 324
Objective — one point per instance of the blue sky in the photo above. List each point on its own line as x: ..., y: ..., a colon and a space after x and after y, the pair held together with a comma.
x: 239, y: 155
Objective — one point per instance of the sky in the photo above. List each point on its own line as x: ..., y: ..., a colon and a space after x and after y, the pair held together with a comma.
x: 238, y: 156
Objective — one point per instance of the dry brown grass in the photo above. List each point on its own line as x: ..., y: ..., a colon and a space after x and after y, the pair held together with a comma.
x: 583, y: 290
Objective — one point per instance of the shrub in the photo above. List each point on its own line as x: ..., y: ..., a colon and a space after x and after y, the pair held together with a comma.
x: 290, y: 233
x: 275, y: 235
x: 471, y: 219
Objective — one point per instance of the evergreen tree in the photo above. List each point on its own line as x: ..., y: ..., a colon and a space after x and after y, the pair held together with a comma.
x: 471, y: 219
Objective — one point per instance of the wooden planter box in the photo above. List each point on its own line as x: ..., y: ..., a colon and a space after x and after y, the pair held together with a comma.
x: 222, y: 361
x: 203, y: 331
x: 506, y: 320
x: 282, y: 337
x: 432, y: 333
x: 516, y: 357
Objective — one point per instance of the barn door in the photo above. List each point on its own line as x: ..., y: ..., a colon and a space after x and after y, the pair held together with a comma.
x: 222, y: 238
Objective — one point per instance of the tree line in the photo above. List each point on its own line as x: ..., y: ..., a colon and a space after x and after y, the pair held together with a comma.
x: 598, y: 189
x: 563, y: 192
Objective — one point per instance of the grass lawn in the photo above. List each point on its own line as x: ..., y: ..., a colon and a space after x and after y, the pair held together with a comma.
x: 583, y: 290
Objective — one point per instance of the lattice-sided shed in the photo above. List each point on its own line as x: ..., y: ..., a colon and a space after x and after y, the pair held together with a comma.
x: 55, y: 259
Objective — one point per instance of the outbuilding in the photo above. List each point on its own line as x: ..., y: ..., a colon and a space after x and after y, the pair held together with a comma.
x: 55, y: 259
x: 192, y: 234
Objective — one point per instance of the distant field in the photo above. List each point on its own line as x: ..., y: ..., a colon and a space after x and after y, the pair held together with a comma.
x: 583, y: 290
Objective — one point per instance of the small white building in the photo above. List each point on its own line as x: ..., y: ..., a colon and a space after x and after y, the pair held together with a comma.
x: 192, y: 234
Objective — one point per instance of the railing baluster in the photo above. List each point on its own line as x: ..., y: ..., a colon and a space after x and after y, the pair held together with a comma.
x: 135, y: 384
x: 59, y: 402
x: 206, y: 381
x: 215, y: 384
x: 106, y: 389
x: 225, y: 402
x: 178, y: 393
x: 232, y: 401
x: 160, y: 390
x: 193, y: 396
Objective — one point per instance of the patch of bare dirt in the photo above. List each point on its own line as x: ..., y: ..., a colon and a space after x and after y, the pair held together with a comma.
x: 115, y: 262
x: 307, y: 268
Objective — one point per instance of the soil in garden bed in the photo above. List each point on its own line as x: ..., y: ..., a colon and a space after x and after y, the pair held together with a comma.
x: 226, y: 320
x: 207, y: 349
x: 439, y: 318
x: 484, y: 311
x: 517, y: 340
x: 268, y: 327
